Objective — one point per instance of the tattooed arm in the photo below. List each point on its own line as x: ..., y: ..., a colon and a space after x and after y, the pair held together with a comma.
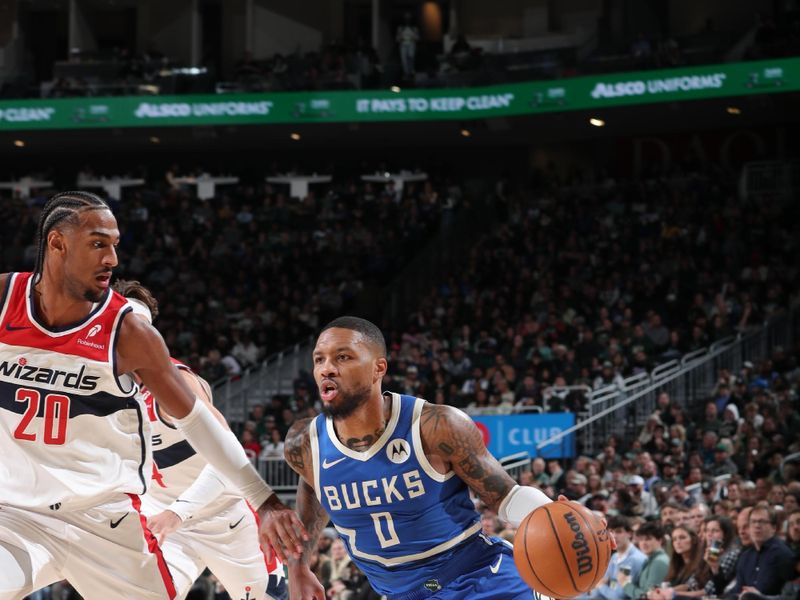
x: 303, y: 584
x: 451, y: 436
x: 297, y: 451
x: 452, y: 441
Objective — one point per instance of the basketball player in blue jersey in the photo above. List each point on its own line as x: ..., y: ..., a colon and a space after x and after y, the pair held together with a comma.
x: 393, y: 473
x: 73, y: 436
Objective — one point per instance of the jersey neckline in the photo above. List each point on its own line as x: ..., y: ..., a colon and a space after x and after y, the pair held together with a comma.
x: 66, y: 329
x: 378, y: 445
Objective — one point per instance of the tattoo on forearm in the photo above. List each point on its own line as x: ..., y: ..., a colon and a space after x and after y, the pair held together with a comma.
x: 311, y: 514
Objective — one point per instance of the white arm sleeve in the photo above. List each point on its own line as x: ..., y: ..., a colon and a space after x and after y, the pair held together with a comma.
x: 206, y: 488
x: 520, y: 502
x: 223, y: 452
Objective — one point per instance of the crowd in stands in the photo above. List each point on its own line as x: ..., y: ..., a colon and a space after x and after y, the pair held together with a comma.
x: 715, y: 511
x: 412, y: 61
x: 776, y: 37
x: 695, y: 501
x: 577, y: 284
x: 253, y: 271
x: 584, y: 287
x: 587, y: 285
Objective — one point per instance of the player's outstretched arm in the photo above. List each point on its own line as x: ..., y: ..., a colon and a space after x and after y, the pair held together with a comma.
x: 451, y: 437
x: 209, y: 484
x: 303, y: 583
x: 141, y: 349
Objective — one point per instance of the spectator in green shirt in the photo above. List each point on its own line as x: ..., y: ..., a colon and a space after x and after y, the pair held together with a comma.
x: 650, y: 539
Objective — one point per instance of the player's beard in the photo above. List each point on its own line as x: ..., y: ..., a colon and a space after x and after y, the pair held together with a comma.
x: 93, y: 296
x: 347, y: 403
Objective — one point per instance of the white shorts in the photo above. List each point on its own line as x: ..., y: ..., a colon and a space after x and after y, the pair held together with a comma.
x: 228, y: 544
x: 105, y: 552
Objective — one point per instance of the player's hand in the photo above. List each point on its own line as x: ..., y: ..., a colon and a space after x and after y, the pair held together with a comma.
x: 563, y: 498
x: 281, y: 529
x: 610, y: 534
x: 303, y: 584
x: 163, y: 524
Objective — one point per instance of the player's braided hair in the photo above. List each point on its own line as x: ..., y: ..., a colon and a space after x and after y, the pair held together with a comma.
x: 63, y: 207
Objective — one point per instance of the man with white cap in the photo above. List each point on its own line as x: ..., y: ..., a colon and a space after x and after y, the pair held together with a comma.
x: 641, y: 496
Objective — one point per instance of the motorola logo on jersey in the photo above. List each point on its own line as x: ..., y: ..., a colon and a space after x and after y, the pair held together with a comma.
x: 398, y: 451
x: 22, y: 371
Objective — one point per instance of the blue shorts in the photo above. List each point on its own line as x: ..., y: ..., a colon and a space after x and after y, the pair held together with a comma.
x: 495, y: 577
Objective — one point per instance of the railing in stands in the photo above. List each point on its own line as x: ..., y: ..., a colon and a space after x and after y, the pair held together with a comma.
x: 770, y: 179
x: 278, y: 474
x: 275, y: 375
x: 621, y: 409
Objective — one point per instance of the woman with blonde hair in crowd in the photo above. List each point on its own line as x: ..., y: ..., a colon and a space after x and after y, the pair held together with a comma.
x: 677, y: 432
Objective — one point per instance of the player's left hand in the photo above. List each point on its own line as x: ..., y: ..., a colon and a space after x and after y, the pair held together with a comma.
x: 303, y: 584
x: 281, y: 529
x: 563, y: 498
x: 163, y: 524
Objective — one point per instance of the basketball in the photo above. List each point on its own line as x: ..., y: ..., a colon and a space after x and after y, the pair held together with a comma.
x: 562, y: 549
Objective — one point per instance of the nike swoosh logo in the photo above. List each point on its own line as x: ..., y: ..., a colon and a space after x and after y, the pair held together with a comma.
x: 179, y: 500
x: 328, y: 465
x: 114, y: 524
x: 235, y: 525
x: 496, y: 567
x: 12, y: 328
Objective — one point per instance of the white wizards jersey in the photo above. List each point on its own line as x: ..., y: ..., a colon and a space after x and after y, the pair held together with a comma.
x: 175, y: 467
x: 72, y: 432
x: 175, y: 463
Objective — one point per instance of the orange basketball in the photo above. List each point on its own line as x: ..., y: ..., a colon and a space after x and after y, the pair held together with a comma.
x: 562, y: 549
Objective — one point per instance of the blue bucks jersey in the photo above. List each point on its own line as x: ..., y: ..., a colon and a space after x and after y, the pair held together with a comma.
x: 401, y: 520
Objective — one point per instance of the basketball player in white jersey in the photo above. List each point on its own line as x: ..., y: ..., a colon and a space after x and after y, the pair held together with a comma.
x: 74, y: 439
x: 198, y: 519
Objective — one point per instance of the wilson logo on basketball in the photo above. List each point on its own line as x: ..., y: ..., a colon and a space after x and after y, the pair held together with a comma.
x: 580, y: 545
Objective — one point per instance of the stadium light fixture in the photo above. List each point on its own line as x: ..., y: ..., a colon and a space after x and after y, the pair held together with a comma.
x: 395, y: 89
x: 734, y: 110
x: 295, y: 136
x: 466, y: 132
x: 155, y: 139
x: 597, y: 122
x: 19, y: 143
